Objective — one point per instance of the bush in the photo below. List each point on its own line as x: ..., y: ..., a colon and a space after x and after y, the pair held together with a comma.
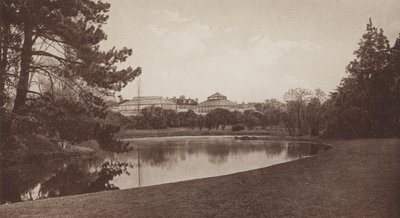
x: 237, y: 127
x: 352, y: 122
x: 130, y: 126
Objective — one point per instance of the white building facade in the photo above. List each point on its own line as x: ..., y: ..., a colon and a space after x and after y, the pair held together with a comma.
x: 134, y: 106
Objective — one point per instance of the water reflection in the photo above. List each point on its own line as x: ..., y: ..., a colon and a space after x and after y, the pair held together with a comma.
x: 151, y: 162
x: 38, y: 181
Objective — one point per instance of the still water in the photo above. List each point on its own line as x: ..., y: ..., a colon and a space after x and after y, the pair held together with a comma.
x: 152, y: 161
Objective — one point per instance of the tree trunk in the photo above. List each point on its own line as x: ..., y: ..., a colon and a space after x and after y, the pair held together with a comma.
x: 299, y: 127
x: 5, y: 125
x: 314, y: 130
x: 26, y: 59
x: 3, y: 61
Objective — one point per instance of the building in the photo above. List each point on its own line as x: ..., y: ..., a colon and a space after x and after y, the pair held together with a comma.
x: 134, y: 106
x: 184, y: 104
x: 215, y: 101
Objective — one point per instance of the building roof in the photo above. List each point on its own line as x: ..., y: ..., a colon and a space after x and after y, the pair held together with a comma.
x: 217, y: 100
x: 186, y: 101
x: 147, y: 100
x: 216, y: 96
x: 216, y: 103
x: 182, y: 100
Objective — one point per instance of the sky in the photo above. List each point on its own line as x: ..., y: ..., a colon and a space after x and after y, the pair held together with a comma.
x: 248, y: 50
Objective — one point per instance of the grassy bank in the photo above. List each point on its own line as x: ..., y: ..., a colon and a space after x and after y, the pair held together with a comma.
x: 356, y: 178
x: 197, y: 132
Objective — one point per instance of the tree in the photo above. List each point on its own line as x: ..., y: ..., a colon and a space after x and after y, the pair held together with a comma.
x: 191, y: 117
x: 316, y: 112
x: 59, y: 40
x: 171, y: 118
x: 393, y: 110
x: 252, y: 118
x: 296, y: 101
x: 10, y: 41
x: 236, y: 118
x: 187, y: 119
x: 200, y: 122
x: 218, y: 117
x: 367, y: 91
x: 152, y: 118
x: 273, y: 112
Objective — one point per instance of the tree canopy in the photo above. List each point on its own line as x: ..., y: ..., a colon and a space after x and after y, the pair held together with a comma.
x: 58, y: 41
x: 366, y: 102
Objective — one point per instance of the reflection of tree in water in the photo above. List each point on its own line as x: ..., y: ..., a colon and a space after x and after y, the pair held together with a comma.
x: 58, y: 178
x: 159, y: 155
x: 274, y: 148
x: 220, y: 151
x: 167, y: 152
x: 65, y: 182
x: 73, y: 180
x: 155, y: 154
x: 107, y: 173
x: 9, y: 190
x: 217, y: 154
x: 298, y: 150
x: 23, y: 178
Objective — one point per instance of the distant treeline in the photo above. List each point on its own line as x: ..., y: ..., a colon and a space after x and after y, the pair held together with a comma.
x: 271, y: 113
x: 158, y: 118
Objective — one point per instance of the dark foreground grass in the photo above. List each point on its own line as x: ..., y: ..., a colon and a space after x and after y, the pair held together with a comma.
x: 357, y: 178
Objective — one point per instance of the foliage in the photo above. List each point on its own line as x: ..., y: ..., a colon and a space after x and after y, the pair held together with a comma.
x: 274, y: 112
x: 252, y: 118
x: 237, y: 127
x: 296, y: 102
x: 58, y: 41
x: 108, y: 171
x: 366, y: 102
x: 316, y: 111
x: 54, y: 117
x: 305, y: 111
x: 188, y: 119
x: 218, y: 117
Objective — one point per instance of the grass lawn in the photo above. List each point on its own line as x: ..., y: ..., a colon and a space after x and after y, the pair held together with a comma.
x: 356, y: 178
x: 197, y: 132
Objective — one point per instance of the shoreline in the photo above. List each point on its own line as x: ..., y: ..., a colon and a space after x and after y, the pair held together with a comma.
x: 238, y: 137
x: 196, y: 132
x: 38, y: 148
x: 358, y: 178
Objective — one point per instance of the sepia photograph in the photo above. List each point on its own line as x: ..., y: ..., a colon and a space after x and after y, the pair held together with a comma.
x: 199, y: 108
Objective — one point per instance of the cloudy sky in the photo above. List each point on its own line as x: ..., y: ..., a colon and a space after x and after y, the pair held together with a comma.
x: 249, y: 50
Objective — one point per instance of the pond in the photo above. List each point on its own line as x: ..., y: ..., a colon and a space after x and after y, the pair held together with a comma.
x: 152, y: 161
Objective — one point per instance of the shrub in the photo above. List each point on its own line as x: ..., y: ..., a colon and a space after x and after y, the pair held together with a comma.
x: 237, y: 127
